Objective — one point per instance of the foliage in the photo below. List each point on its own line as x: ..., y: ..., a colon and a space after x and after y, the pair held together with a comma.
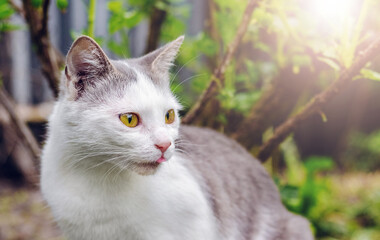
x: 363, y: 151
x: 6, y: 11
x: 125, y: 15
x: 337, y: 206
x: 62, y: 5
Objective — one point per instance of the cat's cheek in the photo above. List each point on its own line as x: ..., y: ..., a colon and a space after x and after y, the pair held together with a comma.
x: 169, y: 153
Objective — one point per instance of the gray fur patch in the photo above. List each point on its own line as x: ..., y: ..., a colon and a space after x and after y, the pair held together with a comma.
x: 242, y: 194
x: 112, y: 84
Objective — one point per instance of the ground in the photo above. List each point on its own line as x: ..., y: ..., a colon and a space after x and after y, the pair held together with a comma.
x: 24, y: 215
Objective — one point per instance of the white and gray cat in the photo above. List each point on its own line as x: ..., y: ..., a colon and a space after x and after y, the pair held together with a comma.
x: 117, y: 165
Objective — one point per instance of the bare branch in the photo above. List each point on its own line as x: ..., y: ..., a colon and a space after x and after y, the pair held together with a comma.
x: 24, y: 130
x: 319, y: 101
x: 24, y: 134
x: 34, y: 113
x: 50, y: 58
x: 217, y: 79
x: 157, y: 18
x: 45, y: 17
x: 17, y: 8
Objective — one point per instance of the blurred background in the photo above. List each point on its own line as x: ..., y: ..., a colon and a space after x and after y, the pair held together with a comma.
x: 328, y: 168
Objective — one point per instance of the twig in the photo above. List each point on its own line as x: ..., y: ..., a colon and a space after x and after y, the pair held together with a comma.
x: 34, y: 113
x: 24, y: 133
x: 157, y: 18
x: 50, y: 58
x: 217, y: 79
x: 45, y: 16
x: 319, y: 101
x: 22, y: 128
x: 17, y: 8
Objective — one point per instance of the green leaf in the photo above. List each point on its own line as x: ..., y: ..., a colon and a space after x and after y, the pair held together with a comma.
x: 62, y: 5
x: 161, y: 5
x: 74, y: 35
x: 205, y: 44
x: 244, y: 101
x: 370, y: 74
x: 132, y: 18
x: 6, y: 27
x: 318, y: 163
x: 115, y: 6
x: 118, y: 48
x: 5, y: 11
x: 115, y: 24
x: 36, y: 3
x: 289, y: 192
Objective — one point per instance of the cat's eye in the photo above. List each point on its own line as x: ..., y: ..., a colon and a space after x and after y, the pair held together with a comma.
x: 129, y: 119
x: 169, y: 116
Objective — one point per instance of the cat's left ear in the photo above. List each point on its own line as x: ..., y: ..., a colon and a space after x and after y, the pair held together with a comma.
x: 160, y: 60
x: 86, y: 64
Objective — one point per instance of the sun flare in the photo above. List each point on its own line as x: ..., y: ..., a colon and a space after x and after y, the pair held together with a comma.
x: 334, y: 11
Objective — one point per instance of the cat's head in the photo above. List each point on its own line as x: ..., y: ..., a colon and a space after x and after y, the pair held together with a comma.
x: 119, y: 113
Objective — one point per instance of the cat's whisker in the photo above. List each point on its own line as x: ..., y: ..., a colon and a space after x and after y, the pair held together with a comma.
x: 187, y: 143
x: 107, y: 173
x: 184, y: 65
x: 100, y: 164
x: 182, y: 152
x: 105, y: 159
x: 126, y: 164
x: 188, y: 79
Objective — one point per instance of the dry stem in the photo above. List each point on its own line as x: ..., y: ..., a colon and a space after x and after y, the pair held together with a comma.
x: 319, y: 101
x: 217, y: 79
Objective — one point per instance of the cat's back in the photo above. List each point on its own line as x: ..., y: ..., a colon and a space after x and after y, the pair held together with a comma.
x: 222, y: 161
x: 240, y: 191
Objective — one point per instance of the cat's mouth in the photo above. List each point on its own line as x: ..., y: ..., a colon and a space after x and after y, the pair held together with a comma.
x: 147, y: 168
x: 161, y: 159
x: 148, y: 164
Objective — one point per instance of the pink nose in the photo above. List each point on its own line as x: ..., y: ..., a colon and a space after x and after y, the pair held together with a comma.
x: 163, y: 146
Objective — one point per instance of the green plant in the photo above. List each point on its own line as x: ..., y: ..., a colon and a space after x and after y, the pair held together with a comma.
x: 337, y: 206
x: 6, y: 11
x: 365, y: 147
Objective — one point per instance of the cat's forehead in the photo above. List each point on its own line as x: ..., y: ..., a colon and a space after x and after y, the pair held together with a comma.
x: 142, y: 66
x: 131, y: 88
x: 125, y: 69
x: 137, y: 89
x: 130, y: 69
x: 143, y: 92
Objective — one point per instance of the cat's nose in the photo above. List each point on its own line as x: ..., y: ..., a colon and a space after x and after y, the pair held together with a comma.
x: 163, y: 146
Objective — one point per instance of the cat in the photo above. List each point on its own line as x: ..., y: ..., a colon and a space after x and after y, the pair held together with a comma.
x: 117, y: 165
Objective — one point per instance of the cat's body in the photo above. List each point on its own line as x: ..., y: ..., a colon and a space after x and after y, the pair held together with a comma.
x: 167, y: 205
x: 105, y: 180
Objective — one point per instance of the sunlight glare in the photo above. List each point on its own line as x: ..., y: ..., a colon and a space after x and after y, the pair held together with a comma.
x: 334, y: 11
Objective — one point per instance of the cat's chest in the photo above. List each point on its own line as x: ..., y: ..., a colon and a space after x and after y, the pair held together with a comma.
x: 167, y: 205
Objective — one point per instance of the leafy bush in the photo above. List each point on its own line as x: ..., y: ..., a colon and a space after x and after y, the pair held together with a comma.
x: 337, y: 206
x: 363, y: 151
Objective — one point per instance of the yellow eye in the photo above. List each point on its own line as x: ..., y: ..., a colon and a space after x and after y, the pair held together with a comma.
x: 129, y: 119
x: 169, y: 117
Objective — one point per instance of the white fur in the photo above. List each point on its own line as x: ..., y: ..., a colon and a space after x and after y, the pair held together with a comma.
x: 86, y: 176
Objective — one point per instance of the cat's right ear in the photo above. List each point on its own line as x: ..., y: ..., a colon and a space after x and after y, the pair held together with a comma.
x: 85, y: 64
